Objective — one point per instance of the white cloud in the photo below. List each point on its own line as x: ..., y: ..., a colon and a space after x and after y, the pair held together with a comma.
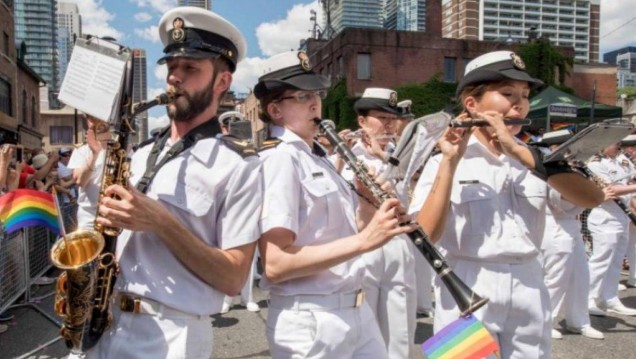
x: 96, y: 20
x: 157, y: 122
x: 150, y: 33
x: 616, y: 29
x: 155, y: 91
x: 160, y: 6
x: 283, y: 35
x: 143, y: 17
x: 161, y: 72
x: 275, y: 37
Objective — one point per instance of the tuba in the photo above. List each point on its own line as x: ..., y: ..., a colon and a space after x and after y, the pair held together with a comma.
x: 87, y: 257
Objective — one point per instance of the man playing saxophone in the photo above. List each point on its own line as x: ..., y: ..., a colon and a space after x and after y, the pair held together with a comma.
x: 189, y: 226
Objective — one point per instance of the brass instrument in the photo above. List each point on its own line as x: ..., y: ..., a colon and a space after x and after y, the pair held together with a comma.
x: 84, y: 289
x: 467, y: 300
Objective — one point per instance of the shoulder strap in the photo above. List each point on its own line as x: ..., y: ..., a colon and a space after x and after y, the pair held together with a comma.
x: 269, y: 143
x: 242, y: 147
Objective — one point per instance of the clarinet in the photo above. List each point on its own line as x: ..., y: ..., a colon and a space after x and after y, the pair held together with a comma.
x: 602, y: 184
x: 467, y: 300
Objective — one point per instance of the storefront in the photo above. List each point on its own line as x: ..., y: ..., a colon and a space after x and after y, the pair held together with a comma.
x: 30, y: 139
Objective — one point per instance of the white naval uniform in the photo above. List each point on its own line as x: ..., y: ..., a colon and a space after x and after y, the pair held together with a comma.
x: 609, y: 227
x: 215, y: 193
x: 314, y: 316
x: 492, y: 239
x: 390, y: 283
x: 631, y: 255
x: 564, y: 261
x: 88, y: 195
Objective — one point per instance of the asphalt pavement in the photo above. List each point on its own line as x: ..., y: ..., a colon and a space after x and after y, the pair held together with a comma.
x: 240, y: 334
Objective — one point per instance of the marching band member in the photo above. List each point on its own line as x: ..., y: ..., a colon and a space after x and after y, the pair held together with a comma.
x: 564, y: 261
x: 191, y: 232
x: 311, y: 245
x: 628, y: 145
x: 609, y: 227
x: 484, y: 199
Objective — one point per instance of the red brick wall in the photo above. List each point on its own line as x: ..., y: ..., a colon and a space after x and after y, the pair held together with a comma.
x: 7, y: 61
x: 27, y: 82
x: 584, y: 76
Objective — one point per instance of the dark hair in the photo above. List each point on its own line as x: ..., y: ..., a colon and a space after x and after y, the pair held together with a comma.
x: 478, y: 90
x: 268, y: 98
x: 363, y: 112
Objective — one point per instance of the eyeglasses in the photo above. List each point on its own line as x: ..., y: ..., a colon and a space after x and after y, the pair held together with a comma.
x: 385, y: 119
x: 305, y: 96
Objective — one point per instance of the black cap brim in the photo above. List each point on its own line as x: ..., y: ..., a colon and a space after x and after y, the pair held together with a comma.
x: 378, y: 104
x: 188, y: 53
x: 304, y: 82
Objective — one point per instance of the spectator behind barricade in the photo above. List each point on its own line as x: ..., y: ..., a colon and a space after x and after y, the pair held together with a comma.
x: 40, y: 166
x: 66, y: 186
x: 6, y: 154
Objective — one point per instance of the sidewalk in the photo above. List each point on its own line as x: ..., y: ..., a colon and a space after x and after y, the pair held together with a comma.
x: 241, y: 334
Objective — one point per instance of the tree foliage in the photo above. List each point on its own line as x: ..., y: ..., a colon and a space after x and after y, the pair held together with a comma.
x: 428, y: 97
x: 545, y: 62
x: 338, y: 106
x: 629, y: 91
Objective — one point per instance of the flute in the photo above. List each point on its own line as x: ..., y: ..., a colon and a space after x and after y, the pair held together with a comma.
x: 467, y: 300
x: 484, y: 123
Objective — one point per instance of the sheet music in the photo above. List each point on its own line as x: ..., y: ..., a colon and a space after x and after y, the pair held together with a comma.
x: 93, y: 80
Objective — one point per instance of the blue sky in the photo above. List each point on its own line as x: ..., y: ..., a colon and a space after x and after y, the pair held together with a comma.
x: 270, y: 27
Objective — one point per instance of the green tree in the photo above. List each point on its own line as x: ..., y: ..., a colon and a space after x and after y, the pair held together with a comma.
x: 338, y: 106
x: 545, y: 62
x: 629, y: 91
x: 428, y: 97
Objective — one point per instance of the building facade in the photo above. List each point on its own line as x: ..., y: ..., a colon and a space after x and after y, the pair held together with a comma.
x: 573, y: 23
x: 36, y: 26
x: 406, y: 15
x: 204, y: 4
x: 69, y: 27
x: 341, y: 14
x: 140, y: 92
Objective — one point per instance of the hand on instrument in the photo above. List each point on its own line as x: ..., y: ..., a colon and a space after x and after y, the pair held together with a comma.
x: 389, y: 221
x: 454, y: 141
x: 130, y: 209
x: 609, y: 193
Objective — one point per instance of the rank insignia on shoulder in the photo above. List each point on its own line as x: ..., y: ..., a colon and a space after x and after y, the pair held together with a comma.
x: 269, y: 143
x: 625, y: 163
x: 242, y: 147
x: 596, y: 158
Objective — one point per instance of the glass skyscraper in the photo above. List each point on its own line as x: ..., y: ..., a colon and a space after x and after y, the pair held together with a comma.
x: 69, y: 27
x: 205, y: 4
x: 140, y: 91
x: 406, y: 15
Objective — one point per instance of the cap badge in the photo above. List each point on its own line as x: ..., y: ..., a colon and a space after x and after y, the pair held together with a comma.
x: 304, y: 61
x: 517, y: 61
x: 393, y: 99
x: 178, y: 34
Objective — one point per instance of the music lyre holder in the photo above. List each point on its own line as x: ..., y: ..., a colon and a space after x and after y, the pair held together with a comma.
x: 590, y: 141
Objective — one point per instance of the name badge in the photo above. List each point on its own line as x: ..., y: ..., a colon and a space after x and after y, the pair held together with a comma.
x: 468, y: 181
x: 317, y: 174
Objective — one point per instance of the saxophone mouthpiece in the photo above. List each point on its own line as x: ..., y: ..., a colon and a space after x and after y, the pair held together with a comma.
x: 165, y: 98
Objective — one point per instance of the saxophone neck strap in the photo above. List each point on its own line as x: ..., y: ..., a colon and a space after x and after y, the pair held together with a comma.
x: 205, y: 130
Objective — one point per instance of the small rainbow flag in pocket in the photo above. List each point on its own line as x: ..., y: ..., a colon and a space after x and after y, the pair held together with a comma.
x: 465, y: 338
x: 23, y: 208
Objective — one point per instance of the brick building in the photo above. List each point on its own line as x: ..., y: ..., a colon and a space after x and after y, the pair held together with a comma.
x: 604, y: 75
x: 59, y: 126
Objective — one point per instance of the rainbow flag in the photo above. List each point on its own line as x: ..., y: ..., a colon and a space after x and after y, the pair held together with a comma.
x: 465, y: 338
x: 563, y: 126
x: 23, y: 208
x: 525, y: 137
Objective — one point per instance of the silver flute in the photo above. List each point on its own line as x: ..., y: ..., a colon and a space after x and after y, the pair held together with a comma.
x: 484, y: 123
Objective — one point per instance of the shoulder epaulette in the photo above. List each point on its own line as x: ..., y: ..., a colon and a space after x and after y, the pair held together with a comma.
x: 269, y: 143
x: 596, y: 158
x: 242, y: 147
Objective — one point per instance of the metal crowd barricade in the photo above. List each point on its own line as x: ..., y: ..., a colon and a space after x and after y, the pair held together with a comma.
x: 24, y: 257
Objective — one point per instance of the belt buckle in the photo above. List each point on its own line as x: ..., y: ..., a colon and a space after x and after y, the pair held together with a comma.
x: 130, y: 304
x: 359, y: 298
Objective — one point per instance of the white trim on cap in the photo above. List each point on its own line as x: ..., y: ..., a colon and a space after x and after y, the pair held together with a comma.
x: 487, y: 59
x: 377, y: 92
x: 281, y: 61
x: 629, y: 138
x: 405, y: 103
x: 198, y: 18
x: 232, y: 114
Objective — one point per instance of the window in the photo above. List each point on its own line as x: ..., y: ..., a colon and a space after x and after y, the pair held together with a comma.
x: 5, y: 43
x: 24, y: 107
x: 6, y: 105
x: 449, y: 69
x: 61, y: 135
x: 364, y: 66
x: 34, y: 107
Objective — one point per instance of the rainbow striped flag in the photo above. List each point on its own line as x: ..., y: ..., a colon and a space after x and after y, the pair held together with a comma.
x: 465, y: 338
x: 23, y: 208
x: 525, y: 137
x: 563, y: 126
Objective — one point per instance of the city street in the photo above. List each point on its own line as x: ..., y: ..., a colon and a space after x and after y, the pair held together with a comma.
x: 240, y: 334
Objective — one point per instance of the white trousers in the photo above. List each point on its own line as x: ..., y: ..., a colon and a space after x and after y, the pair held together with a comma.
x: 389, y: 284
x: 341, y: 333
x: 518, y: 313
x: 423, y: 281
x: 141, y: 336
x: 610, y: 239
x: 567, y: 276
x: 631, y: 254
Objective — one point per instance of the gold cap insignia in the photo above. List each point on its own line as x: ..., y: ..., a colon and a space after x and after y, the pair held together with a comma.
x: 178, y: 34
x: 393, y: 99
x: 518, y: 62
x: 304, y: 61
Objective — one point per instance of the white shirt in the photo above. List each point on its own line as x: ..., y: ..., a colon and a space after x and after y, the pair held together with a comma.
x: 562, y: 227
x: 217, y: 195
x: 615, y: 171
x: 305, y: 194
x: 368, y: 159
x: 88, y: 195
x: 497, y: 207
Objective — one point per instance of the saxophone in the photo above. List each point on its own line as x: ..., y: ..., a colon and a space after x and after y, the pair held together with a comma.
x: 87, y: 257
